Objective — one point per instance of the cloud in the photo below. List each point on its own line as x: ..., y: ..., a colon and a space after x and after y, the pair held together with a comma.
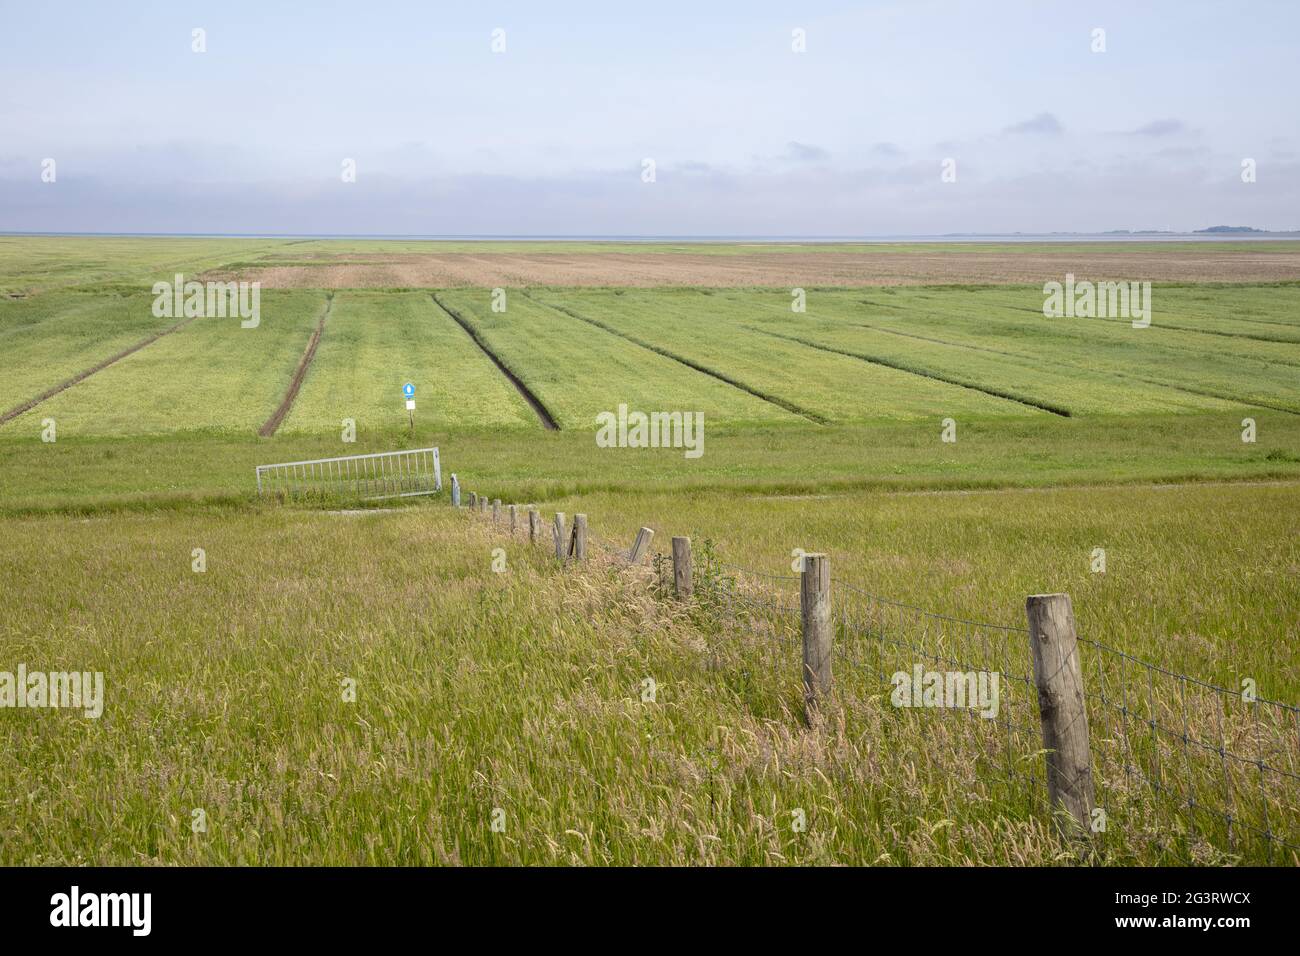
x: 803, y: 153
x: 1044, y: 124
x: 889, y: 197
x: 695, y: 167
x: 886, y: 149
x: 1164, y: 127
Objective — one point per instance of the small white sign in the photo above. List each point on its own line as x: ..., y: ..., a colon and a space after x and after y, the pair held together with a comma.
x: 410, y: 404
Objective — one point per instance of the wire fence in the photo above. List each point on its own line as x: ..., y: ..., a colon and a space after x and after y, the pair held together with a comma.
x: 1195, y: 766
x: 1221, y: 763
x: 1200, y: 772
x: 880, y: 638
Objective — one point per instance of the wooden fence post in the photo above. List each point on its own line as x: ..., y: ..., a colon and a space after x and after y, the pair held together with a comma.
x: 455, y: 491
x: 682, y: 583
x: 482, y: 505
x: 534, y: 525
x: 514, y: 518
x: 473, y: 501
x: 496, y: 510
x: 561, y: 539
x: 641, y: 545
x: 579, y: 545
x: 1061, y: 705
x: 815, y: 603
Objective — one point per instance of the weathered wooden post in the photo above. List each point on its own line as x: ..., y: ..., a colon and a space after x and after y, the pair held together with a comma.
x: 496, y: 510
x: 579, y: 548
x: 815, y: 603
x: 682, y: 584
x: 1061, y: 707
x: 534, y: 525
x: 482, y: 506
x: 561, y: 539
x: 641, y: 545
x: 455, y: 491
x: 514, y: 518
x: 473, y: 501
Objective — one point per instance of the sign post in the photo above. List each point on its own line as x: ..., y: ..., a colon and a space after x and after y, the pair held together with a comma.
x: 408, y: 390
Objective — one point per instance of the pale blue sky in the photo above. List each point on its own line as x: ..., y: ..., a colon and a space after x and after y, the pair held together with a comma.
x: 548, y: 137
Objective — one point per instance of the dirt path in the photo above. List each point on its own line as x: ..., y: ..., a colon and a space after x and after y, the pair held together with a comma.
x: 543, y: 413
x: 278, y: 416
x: 82, y: 376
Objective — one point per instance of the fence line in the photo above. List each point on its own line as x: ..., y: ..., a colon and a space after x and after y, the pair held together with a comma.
x: 1221, y: 766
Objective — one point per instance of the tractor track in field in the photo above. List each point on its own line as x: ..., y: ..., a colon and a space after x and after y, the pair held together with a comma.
x: 1251, y: 336
x: 924, y: 373
x: 82, y: 376
x: 543, y: 413
x: 1122, y: 376
x: 1166, y: 327
x: 282, y: 411
x: 689, y: 363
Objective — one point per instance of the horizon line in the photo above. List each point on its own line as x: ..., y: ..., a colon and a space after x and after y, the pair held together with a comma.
x: 1198, y: 234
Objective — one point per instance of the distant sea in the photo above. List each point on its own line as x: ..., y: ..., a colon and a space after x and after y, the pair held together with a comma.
x: 952, y: 237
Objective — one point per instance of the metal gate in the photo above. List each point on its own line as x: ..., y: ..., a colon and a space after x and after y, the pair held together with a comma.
x: 385, y: 474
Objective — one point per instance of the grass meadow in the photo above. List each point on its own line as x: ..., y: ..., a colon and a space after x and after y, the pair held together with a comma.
x: 578, y: 371
x: 203, y: 376
x: 375, y: 343
x: 518, y: 697
x: 49, y: 339
x: 522, y: 691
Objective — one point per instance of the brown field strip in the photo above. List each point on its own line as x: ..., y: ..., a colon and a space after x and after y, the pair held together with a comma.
x: 864, y: 266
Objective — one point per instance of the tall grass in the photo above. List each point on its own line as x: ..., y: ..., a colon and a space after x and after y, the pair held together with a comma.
x: 522, y: 692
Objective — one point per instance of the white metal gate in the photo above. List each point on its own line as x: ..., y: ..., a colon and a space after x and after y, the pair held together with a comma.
x: 385, y: 474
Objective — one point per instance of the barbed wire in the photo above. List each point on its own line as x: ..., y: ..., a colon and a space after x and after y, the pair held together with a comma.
x: 1184, y: 677
x: 865, y: 638
x: 1138, y: 742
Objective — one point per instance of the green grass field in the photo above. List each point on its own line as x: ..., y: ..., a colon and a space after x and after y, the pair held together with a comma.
x: 578, y: 372
x: 522, y: 691
x: 30, y: 264
x: 211, y: 375
x: 49, y: 339
x: 738, y: 357
x: 823, y: 386
x: 376, y: 342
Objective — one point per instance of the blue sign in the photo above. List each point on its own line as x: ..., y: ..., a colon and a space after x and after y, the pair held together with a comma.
x: 408, y: 390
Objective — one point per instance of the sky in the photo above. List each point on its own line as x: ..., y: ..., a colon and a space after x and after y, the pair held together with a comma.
x: 898, y: 117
